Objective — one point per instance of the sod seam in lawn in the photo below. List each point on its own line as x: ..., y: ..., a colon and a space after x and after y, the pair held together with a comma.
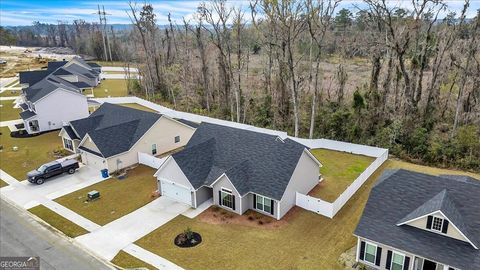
x: 64, y: 225
x: 127, y: 261
x: 117, y: 197
x: 339, y: 170
x: 307, y: 241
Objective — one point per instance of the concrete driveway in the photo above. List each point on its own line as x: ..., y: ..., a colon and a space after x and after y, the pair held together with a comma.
x: 29, y: 195
x: 107, y: 241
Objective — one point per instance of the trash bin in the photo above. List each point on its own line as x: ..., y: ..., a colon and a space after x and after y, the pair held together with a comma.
x: 104, y: 173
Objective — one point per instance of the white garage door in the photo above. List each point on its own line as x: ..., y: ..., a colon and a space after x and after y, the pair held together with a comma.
x: 176, y: 192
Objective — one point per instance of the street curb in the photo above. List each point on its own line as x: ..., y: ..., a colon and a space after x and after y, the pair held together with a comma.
x: 59, y: 233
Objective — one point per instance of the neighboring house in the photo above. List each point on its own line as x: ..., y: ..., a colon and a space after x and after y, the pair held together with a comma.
x: 49, y: 103
x: 240, y: 170
x: 112, y: 136
x: 76, y: 71
x: 414, y: 221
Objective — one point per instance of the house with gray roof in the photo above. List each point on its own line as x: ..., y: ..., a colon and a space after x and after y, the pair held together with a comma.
x: 55, y: 96
x: 415, y: 221
x: 239, y: 170
x: 113, y: 135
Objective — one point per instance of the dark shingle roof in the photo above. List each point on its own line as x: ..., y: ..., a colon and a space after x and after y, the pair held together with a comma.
x: 70, y: 132
x: 188, y: 123
x: 114, y: 128
x: 62, y: 71
x: 24, y: 106
x: 48, y: 85
x: 56, y: 64
x: 27, y: 114
x: 404, y: 195
x: 82, y: 85
x: 254, y: 162
x: 32, y: 77
x: 94, y: 65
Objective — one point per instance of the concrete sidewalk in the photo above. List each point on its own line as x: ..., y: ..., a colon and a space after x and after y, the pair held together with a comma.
x: 107, y: 241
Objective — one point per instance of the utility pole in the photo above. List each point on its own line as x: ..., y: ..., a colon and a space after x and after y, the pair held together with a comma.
x: 106, y: 33
x: 103, y: 35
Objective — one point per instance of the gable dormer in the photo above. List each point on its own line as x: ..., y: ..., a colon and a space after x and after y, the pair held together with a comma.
x: 439, y: 215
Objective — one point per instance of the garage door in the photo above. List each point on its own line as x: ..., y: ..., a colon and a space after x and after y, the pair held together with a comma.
x: 176, y: 192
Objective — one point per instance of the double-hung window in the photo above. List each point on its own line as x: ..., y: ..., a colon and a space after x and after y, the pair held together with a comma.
x: 397, y: 261
x: 68, y: 144
x: 370, y: 253
x: 227, y: 198
x: 263, y: 203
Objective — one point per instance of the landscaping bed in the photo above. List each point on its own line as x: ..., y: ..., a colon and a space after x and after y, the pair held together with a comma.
x: 64, y: 225
x: 32, y: 152
x: 339, y: 170
x: 306, y: 240
x: 117, y: 197
x: 7, y: 112
x: 188, y: 239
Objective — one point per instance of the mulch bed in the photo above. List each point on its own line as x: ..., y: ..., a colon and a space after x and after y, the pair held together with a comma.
x: 182, y: 241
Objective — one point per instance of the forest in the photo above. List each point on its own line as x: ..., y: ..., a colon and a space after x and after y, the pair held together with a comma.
x: 407, y: 79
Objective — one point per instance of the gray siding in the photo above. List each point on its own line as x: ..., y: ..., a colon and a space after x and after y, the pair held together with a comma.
x: 203, y: 194
x: 304, y: 178
x: 247, y: 203
x: 225, y: 183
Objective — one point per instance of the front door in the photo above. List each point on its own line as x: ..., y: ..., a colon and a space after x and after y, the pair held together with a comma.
x: 429, y: 265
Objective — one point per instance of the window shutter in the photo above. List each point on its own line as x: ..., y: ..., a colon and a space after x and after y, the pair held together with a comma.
x: 429, y: 222
x: 219, y: 197
x: 445, y: 226
x: 233, y: 202
x: 379, y: 256
x: 272, y: 203
x: 406, y: 265
x: 254, y: 201
x: 389, y: 259
x: 362, y: 250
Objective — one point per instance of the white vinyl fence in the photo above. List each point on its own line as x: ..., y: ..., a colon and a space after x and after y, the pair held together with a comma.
x: 331, y: 209
x: 150, y: 160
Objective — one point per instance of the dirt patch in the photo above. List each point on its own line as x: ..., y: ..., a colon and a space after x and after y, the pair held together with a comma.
x: 347, y: 260
x: 217, y: 215
x: 317, y: 188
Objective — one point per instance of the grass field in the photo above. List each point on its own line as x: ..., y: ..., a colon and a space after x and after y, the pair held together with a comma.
x: 339, y: 170
x: 64, y: 225
x: 110, y: 64
x: 138, y: 106
x: 7, y: 112
x: 307, y: 241
x: 128, y: 261
x: 112, y: 88
x: 11, y: 93
x: 118, y: 197
x: 32, y: 152
x: 3, y: 183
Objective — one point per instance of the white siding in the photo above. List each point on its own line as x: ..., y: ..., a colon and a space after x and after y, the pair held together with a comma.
x: 304, y: 178
x: 172, y: 172
x: 59, y: 107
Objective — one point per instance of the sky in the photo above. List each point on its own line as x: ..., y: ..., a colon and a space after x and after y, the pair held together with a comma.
x: 24, y: 12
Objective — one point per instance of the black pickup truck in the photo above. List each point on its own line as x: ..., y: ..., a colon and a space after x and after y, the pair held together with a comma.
x: 51, y: 169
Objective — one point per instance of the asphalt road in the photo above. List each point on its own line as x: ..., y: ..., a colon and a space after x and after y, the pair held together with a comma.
x: 21, y: 235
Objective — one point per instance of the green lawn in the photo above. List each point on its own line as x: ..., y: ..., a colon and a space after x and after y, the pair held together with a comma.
x: 110, y: 64
x: 128, y: 261
x: 113, y: 88
x: 11, y: 93
x: 117, y: 197
x: 306, y: 241
x: 7, y: 112
x: 32, y: 152
x: 138, y: 107
x: 64, y: 225
x: 339, y: 170
x: 3, y: 183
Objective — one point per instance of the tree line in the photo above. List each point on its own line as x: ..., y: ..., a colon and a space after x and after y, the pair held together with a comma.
x: 377, y: 74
